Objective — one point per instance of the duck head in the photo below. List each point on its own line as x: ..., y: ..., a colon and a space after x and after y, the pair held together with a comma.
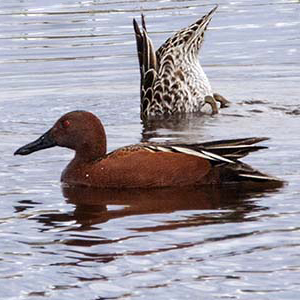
x: 77, y: 130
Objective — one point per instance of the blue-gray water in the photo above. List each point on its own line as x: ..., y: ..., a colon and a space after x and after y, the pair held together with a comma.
x: 57, y: 56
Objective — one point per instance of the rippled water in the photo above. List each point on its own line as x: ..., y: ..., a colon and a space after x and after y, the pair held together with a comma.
x: 235, y: 243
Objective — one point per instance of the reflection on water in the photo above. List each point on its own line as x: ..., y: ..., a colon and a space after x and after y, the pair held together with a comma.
x: 96, y: 206
x: 177, y: 128
x: 107, y: 226
x: 238, y: 243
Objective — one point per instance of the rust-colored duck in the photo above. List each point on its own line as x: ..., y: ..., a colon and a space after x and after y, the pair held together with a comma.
x: 145, y: 165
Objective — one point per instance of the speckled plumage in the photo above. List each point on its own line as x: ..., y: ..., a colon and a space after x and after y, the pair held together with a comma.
x: 172, y: 79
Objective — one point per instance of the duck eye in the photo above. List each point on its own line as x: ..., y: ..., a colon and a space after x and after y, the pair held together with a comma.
x: 65, y: 123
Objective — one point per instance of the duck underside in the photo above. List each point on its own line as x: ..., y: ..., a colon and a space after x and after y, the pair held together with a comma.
x: 179, y: 87
x: 177, y: 90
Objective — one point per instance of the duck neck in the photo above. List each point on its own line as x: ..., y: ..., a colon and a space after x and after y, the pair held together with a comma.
x: 91, y: 150
x: 88, y: 154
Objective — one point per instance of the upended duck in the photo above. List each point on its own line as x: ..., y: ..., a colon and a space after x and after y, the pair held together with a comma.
x: 172, y: 79
x: 145, y: 165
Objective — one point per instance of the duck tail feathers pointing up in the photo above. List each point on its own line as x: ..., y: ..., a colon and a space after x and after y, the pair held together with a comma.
x: 145, y: 48
x: 189, y: 38
x: 199, y: 27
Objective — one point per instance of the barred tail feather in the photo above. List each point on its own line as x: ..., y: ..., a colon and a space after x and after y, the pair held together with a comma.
x: 201, y: 25
x: 147, y: 62
x: 146, y: 53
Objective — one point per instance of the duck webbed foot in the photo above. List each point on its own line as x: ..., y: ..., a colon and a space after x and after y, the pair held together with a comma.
x: 223, y: 101
x: 212, y: 102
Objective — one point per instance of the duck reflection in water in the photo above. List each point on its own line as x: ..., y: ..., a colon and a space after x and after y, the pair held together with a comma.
x: 96, y: 206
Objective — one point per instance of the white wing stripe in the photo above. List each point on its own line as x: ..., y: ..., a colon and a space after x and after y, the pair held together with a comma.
x: 191, y: 152
x: 218, y: 157
x: 258, y: 176
x: 188, y: 151
x: 150, y: 148
x: 159, y: 148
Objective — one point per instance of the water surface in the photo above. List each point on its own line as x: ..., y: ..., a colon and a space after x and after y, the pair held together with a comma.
x: 57, y: 56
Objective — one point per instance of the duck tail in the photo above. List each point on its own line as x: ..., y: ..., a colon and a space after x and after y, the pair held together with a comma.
x: 232, y: 150
x: 147, y: 62
x: 235, y: 148
x: 197, y: 31
x: 139, y: 43
x: 223, y: 156
x: 243, y: 172
x: 145, y: 49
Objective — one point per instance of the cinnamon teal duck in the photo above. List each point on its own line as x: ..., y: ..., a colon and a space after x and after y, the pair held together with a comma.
x: 145, y: 165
